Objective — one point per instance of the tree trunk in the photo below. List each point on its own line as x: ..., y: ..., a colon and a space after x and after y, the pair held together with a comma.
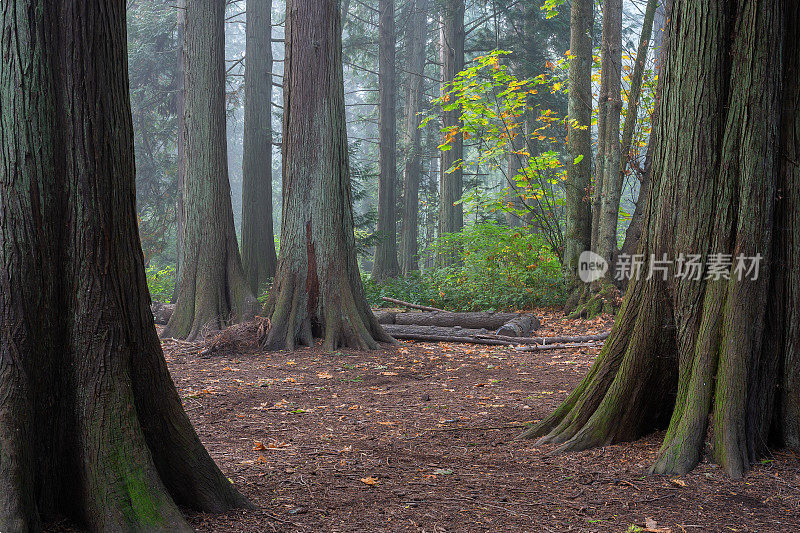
x: 258, y: 238
x: 578, y: 230
x: 611, y: 182
x: 181, y: 143
x: 386, y: 265
x: 725, y: 180
x: 431, y: 204
x: 632, y: 112
x: 451, y: 215
x: 417, y: 40
x: 634, y: 232
x: 91, y: 425
x: 317, y: 289
x: 513, y: 198
x: 212, y: 289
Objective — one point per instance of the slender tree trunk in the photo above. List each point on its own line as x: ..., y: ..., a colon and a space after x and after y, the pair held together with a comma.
x: 258, y: 238
x: 386, y: 264
x: 212, y: 289
x: 318, y: 289
x: 634, y: 232
x: 578, y: 230
x: 81, y: 368
x: 451, y: 215
x: 632, y: 112
x: 612, y: 184
x: 181, y: 144
x: 417, y: 40
x: 515, y: 165
x: 725, y: 181
x: 431, y: 207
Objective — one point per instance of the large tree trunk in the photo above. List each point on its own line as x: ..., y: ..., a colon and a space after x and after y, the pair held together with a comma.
x: 180, y: 109
x: 611, y: 181
x: 91, y: 425
x: 386, y: 265
x: 417, y: 40
x: 451, y: 214
x: 318, y: 289
x: 212, y: 289
x: 578, y: 230
x: 725, y: 180
x: 258, y: 238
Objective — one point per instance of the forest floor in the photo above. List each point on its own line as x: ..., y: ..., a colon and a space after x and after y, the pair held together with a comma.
x: 421, y: 437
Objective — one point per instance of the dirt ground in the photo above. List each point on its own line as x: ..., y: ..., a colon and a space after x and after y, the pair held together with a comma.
x: 422, y: 438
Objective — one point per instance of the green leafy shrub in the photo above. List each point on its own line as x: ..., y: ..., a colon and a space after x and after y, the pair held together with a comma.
x: 500, y: 268
x: 161, y: 283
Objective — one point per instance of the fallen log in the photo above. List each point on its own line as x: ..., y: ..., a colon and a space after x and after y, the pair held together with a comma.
x: 384, y: 317
x: 473, y: 336
x: 476, y: 320
x: 440, y: 338
x: 439, y: 331
x: 551, y: 340
x: 520, y: 326
x: 412, y: 306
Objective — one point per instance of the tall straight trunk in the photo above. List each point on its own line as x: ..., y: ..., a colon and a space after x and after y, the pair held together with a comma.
x: 181, y: 144
x: 515, y: 165
x: 431, y: 205
x: 722, y: 345
x: 635, y: 92
x: 81, y: 368
x: 318, y: 289
x: 451, y: 214
x: 386, y: 264
x: 634, y: 232
x: 258, y: 238
x: 212, y: 289
x: 417, y: 39
x: 578, y: 227
x: 611, y: 183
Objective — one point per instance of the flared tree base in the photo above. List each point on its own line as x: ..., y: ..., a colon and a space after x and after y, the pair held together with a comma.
x: 298, y: 317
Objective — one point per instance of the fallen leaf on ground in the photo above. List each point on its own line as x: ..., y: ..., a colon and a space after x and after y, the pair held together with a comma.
x: 369, y: 481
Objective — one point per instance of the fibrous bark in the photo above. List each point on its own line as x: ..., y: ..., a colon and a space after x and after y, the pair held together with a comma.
x: 180, y: 109
x: 611, y: 183
x: 258, y: 238
x: 417, y: 39
x: 212, y: 289
x: 386, y: 264
x: 318, y: 289
x: 578, y: 230
x: 725, y: 181
x: 91, y: 425
x: 451, y: 214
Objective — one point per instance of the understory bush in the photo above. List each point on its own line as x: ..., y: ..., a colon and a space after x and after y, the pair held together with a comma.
x: 499, y: 268
x: 161, y: 283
